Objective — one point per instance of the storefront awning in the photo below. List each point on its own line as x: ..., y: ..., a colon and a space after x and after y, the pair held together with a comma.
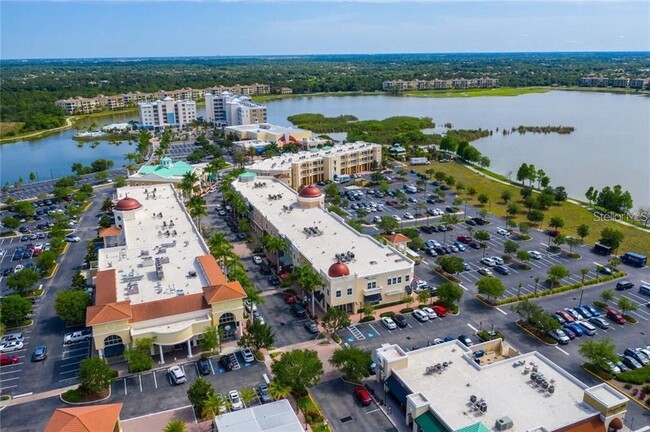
x: 397, y: 389
x: 428, y: 423
x: 372, y: 298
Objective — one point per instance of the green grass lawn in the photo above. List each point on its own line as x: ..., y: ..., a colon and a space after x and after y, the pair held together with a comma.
x: 573, y: 215
x: 501, y: 91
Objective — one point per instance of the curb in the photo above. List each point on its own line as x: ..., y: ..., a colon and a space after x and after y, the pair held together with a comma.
x: 86, y: 403
x: 53, y: 273
x: 534, y: 336
x: 621, y: 390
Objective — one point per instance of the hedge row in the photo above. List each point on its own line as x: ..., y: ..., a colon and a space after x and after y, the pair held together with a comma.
x: 367, y: 319
x: 557, y: 290
x: 635, y: 376
x: 387, y: 314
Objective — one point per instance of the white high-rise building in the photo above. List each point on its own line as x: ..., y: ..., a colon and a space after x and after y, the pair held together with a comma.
x: 226, y: 109
x: 167, y: 112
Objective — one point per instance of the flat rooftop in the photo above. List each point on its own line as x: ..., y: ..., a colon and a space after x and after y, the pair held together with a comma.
x: 285, y: 161
x: 264, y: 127
x: 505, y: 388
x: 272, y: 417
x: 370, y: 256
x: 162, y: 231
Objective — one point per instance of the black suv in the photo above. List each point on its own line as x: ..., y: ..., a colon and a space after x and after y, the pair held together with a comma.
x: 225, y: 363
x: 203, y: 365
x: 624, y: 285
x: 298, y: 310
x: 399, y: 320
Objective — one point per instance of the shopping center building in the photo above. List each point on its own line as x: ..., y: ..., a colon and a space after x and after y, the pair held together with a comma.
x: 355, y: 267
x: 155, y: 277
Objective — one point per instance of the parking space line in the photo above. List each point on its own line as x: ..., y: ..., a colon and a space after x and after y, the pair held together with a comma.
x: 10, y: 372
x: 9, y: 379
x: 125, y: 390
x: 472, y: 327
x: 140, y: 379
x: 8, y: 387
x: 70, y: 371
x: 211, y: 367
x: 461, y: 285
x: 373, y: 329
x: 502, y: 311
x: 561, y: 350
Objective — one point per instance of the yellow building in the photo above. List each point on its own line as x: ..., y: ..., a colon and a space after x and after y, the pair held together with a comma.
x: 156, y: 278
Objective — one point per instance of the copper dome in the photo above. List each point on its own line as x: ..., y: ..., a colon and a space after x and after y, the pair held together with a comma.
x: 127, y: 203
x: 310, y: 192
x: 616, y: 424
x: 338, y: 269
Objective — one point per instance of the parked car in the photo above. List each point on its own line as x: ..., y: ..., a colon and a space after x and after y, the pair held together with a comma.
x: 565, y: 316
x: 8, y: 359
x: 176, y: 375
x: 39, y: 354
x: 298, y: 310
x: 465, y: 340
x: 615, y: 316
x: 488, y: 262
x: 430, y: 313
x: 535, y: 254
x: 612, y: 368
x: 400, y: 320
x: 263, y: 391
x: 589, y: 329
x: 485, y: 271
x: 503, y: 232
x: 631, y: 363
x: 203, y: 366
x: 569, y: 333
x: 624, y: 285
x: 440, y: 310
x: 362, y: 396
x: 77, y: 337
x: 226, y: 363
x: 575, y: 328
x: 235, y: 400
x: 559, y: 336
x: 19, y: 337
x: 248, y: 356
x: 498, y: 260
x: 594, y: 312
x: 420, y: 315
x: 11, y: 346
x: 502, y: 269
x: 388, y: 323
x: 274, y: 280
x: 581, y: 314
x: 599, y: 322
x: 72, y: 239
x: 311, y: 327
x: 576, y: 316
x: 257, y: 259
x: 636, y: 355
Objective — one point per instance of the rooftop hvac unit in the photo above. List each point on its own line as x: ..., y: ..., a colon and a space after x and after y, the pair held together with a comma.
x: 503, y: 423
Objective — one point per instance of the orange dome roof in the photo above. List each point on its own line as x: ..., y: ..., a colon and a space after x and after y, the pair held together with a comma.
x: 616, y: 424
x: 127, y: 203
x: 338, y: 269
x: 310, y: 192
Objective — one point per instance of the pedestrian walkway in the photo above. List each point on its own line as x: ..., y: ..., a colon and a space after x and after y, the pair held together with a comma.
x: 388, y: 406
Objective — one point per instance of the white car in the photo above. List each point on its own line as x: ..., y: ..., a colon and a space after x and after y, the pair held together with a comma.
x: 248, y: 355
x: 250, y: 306
x: 419, y: 284
x: 38, y: 246
x: 488, y: 262
x: 257, y: 259
x: 612, y: 367
x: 397, y: 218
x: 432, y: 244
x: 485, y: 271
x: 376, y: 219
x: 47, y: 247
x: 388, y: 323
x: 18, y: 268
x: 535, y: 254
x: 235, y: 400
x: 72, y: 239
x: 14, y: 337
x: 176, y: 375
x: 498, y: 260
x: 10, y: 346
x: 503, y: 232
x: 420, y: 315
x: 408, y: 216
x: 430, y: 313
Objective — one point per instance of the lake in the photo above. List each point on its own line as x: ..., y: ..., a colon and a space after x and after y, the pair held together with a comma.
x: 611, y: 143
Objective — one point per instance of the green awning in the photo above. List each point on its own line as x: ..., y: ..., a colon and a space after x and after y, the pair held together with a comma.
x: 429, y: 423
x: 477, y: 427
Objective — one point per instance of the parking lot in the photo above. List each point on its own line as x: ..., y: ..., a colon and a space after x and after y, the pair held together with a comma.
x: 151, y: 391
x: 68, y: 363
x: 12, y: 376
x: 288, y: 328
x: 179, y: 151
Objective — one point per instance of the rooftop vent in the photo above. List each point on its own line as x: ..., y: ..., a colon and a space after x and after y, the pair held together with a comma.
x: 503, y: 423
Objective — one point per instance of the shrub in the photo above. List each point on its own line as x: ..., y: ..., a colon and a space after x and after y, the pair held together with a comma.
x: 598, y: 371
x: 336, y: 338
x: 627, y: 386
x: 387, y: 314
x: 407, y: 310
x: 73, y: 396
x: 600, y: 304
x: 367, y: 319
x: 636, y: 376
x: 630, y: 319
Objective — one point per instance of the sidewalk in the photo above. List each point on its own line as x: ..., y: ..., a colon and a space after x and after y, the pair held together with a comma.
x: 388, y: 405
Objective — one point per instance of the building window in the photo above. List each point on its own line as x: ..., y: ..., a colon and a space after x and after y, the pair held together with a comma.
x: 338, y: 293
x: 407, y: 277
x: 399, y: 279
x: 389, y: 281
x: 372, y: 285
x: 394, y: 280
x: 349, y: 291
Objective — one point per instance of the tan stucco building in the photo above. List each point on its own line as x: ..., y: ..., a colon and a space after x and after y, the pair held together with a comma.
x: 156, y: 278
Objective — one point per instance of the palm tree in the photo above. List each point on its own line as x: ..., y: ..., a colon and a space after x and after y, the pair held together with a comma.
x: 448, y: 219
x: 213, y: 405
x: 175, y: 425
x: 278, y: 391
x: 196, y: 206
x: 274, y: 245
x: 247, y: 394
x: 536, y: 284
x: 271, y: 150
x: 309, y: 281
x: 254, y: 296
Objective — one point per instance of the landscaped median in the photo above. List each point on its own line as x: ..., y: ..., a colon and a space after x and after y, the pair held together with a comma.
x: 313, y: 414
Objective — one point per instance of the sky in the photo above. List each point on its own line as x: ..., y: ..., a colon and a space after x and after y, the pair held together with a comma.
x: 162, y: 28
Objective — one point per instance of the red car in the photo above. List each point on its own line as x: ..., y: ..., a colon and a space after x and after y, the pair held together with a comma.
x: 362, y: 396
x: 289, y: 298
x: 567, y: 317
x: 440, y: 310
x: 464, y: 239
x: 8, y: 359
x: 615, y: 316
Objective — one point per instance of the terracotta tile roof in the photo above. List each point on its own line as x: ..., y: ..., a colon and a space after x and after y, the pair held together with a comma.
x: 396, y: 238
x: 110, y: 231
x: 282, y: 175
x: 591, y: 425
x: 94, y: 418
x: 105, y: 287
x: 211, y: 270
x: 167, y: 307
x: 109, y: 312
x: 227, y: 291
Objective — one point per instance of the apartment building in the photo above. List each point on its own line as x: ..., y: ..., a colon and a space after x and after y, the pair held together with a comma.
x: 155, y: 277
x: 228, y: 109
x: 450, y: 387
x: 438, y: 84
x: 355, y: 268
x: 167, y: 112
x: 268, y: 132
x: 309, y: 167
x: 640, y: 83
x: 594, y: 81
